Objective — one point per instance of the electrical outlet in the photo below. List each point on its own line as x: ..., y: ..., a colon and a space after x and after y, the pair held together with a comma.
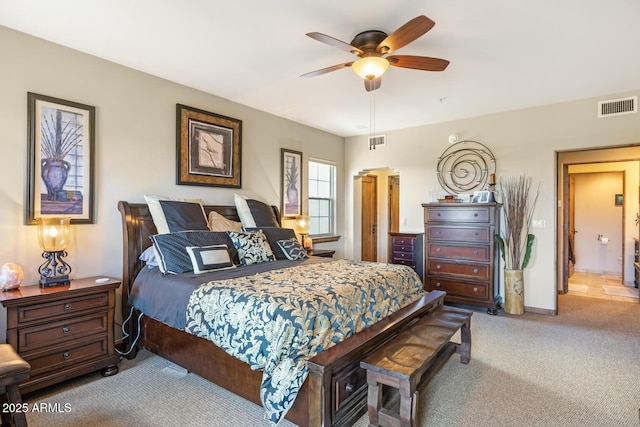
x: 539, y: 223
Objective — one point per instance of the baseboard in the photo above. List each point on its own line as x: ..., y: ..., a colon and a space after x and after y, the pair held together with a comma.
x: 538, y: 310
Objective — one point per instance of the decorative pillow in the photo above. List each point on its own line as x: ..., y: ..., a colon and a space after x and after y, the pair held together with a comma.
x: 253, y: 213
x: 209, y: 258
x: 171, y: 248
x: 292, y: 249
x: 252, y: 247
x: 274, y: 234
x: 148, y: 256
x: 171, y: 215
x: 218, y: 222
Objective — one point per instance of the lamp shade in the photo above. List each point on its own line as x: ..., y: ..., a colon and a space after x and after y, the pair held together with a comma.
x: 303, y: 223
x: 370, y: 67
x: 53, y: 233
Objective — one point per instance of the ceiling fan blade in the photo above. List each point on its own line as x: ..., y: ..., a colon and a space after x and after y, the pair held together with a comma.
x: 335, y: 43
x: 424, y: 63
x: 405, y: 34
x: 327, y: 70
x: 372, y: 84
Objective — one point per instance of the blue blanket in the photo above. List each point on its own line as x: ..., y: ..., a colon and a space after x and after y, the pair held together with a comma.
x: 275, y: 321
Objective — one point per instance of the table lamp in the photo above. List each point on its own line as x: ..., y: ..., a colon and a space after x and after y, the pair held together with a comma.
x: 53, y: 235
x: 303, y: 223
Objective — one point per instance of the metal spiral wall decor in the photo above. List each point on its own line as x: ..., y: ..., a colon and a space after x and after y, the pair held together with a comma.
x: 465, y: 166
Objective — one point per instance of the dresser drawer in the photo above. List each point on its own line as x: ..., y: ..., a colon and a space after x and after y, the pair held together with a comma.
x: 402, y: 255
x: 458, y: 214
x: 69, y: 306
x: 473, y: 271
x: 472, y: 253
x: 65, y: 356
x: 410, y: 262
x: 35, y: 337
x: 454, y: 288
x: 462, y: 234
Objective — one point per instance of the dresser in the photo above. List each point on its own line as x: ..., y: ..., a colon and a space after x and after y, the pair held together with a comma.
x: 63, y: 331
x: 408, y: 249
x: 462, y: 258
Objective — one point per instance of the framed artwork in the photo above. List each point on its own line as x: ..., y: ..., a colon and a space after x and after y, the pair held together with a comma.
x: 209, y: 148
x: 481, y: 196
x: 60, y: 156
x: 291, y: 183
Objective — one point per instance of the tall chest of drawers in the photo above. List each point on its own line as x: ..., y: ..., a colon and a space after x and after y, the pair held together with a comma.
x: 408, y: 249
x: 461, y: 255
x: 63, y: 331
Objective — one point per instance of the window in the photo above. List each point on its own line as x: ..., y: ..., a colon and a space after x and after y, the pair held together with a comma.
x: 322, y: 196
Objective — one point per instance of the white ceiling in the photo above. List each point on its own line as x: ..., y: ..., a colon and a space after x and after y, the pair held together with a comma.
x: 504, y: 54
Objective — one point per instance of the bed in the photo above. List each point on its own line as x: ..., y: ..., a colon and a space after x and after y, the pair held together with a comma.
x: 334, y: 392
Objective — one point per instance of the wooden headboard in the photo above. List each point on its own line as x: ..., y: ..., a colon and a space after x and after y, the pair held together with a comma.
x: 137, y: 226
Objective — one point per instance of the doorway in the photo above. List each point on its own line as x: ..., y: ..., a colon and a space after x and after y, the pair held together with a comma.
x: 623, y: 161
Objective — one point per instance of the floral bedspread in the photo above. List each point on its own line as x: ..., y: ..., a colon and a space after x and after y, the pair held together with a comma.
x: 276, y: 320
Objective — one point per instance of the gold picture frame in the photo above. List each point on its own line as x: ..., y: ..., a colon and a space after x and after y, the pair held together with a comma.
x: 209, y: 148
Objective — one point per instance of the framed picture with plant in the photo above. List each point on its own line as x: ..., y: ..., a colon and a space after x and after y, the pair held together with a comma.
x: 60, y: 155
x: 291, y: 183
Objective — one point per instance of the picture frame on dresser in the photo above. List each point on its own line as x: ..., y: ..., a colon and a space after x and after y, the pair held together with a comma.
x: 208, y: 148
x: 60, y: 159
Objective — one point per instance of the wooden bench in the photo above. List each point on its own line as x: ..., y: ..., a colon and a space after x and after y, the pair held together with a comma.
x: 411, y: 359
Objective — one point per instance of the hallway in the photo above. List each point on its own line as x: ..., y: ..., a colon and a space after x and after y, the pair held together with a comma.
x: 591, y: 285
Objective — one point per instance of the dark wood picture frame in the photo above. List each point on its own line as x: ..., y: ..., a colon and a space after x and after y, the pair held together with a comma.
x: 290, y: 183
x: 60, y: 159
x: 209, y: 148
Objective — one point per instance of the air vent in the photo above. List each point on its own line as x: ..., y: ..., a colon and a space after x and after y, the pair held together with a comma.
x: 617, y: 107
x: 377, y: 141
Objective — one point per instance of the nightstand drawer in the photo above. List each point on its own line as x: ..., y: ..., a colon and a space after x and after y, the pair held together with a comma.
x: 62, y: 357
x: 40, y: 312
x: 34, y: 337
x: 403, y: 241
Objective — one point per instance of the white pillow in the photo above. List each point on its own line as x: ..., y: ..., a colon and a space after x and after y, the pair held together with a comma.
x: 254, y: 213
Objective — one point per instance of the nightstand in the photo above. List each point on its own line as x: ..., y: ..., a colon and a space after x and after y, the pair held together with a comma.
x: 63, y: 331
x: 325, y: 253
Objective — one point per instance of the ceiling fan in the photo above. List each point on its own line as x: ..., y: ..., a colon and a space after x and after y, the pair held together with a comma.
x: 372, y: 46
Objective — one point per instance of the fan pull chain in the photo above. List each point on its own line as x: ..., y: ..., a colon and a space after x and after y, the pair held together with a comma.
x: 372, y: 119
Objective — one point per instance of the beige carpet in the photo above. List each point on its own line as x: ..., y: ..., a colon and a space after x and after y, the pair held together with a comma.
x: 580, y: 368
x: 620, y: 291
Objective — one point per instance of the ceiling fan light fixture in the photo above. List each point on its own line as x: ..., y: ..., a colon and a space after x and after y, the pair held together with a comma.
x: 370, y: 67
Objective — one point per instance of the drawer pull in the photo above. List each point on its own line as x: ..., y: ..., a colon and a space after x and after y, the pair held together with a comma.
x: 438, y: 285
x: 67, y: 306
x: 475, y: 214
x: 438, y: 214
x: 438, y: 267
x: 438, y: 249
x: 475, y: 289
x: 349, y: 388
x: 475, y: 270
x: 66, y: 355
x: 66, y: 329
x: 475, y: 252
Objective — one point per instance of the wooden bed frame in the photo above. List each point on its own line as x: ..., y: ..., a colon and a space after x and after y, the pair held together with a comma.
x: 335, y: 391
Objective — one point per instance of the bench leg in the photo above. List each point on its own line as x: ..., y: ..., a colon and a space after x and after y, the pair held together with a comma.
x: 407, y: 409
x: 13, y: 396
x: 464, y: 349
x: 374, y: 400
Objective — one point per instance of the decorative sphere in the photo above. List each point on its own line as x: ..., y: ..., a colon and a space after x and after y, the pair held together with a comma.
x: 11, y: 276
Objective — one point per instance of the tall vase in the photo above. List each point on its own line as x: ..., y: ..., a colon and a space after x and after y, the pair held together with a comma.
x: 513, y: 292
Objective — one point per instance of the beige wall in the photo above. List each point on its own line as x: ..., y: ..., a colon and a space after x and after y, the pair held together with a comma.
x: 135, y: 147
x: 523, y: 142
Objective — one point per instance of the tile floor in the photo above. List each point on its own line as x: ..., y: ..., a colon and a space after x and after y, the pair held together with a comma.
x: 590, y: 285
